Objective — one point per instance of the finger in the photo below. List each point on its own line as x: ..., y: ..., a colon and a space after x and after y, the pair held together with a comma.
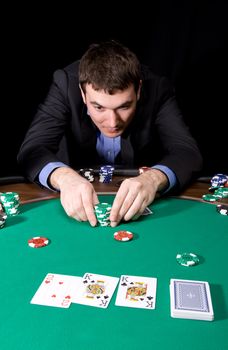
x: 95, y: 198
x: 135, y: 209
x: 117, y: 204
x: 87, y: 200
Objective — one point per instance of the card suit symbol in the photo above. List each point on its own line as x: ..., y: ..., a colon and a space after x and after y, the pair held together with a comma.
x: 98, y: 297
x: 131, y: 282
x: 92, y: 281
x: 149, y: 297
x: 68, y: 297
x: 124, y: 284
x: 53, y: 296
x: 106, y: 296
x: 85, y: 281
x: 141, y: 299
x: 60, y: 282
x: 47, y: 281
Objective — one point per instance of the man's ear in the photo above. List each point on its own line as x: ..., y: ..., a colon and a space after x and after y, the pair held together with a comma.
x: 82, y: 93
x: 139, y: 90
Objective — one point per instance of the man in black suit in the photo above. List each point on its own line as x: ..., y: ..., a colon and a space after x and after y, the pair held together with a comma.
x: 108, y: 108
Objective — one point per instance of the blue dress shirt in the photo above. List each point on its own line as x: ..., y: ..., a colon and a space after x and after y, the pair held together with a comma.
x: 107, y: 148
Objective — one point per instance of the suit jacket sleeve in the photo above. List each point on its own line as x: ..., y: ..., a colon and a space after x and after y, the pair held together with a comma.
x: 42, y: 140
x: 180, y: 150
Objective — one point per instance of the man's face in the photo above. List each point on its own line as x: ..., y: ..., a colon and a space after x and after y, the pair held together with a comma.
x: 111, y: 113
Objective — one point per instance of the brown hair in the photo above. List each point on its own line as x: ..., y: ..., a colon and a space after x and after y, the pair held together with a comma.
x: 109, y: 66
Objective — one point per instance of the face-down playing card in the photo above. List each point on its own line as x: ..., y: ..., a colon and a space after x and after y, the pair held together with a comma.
x: 136, y: 291
x: 96, y: 290
x: 191, y: 299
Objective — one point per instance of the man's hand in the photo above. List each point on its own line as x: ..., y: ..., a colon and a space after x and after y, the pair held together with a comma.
x: 77, y: 194
x: 135, y: 194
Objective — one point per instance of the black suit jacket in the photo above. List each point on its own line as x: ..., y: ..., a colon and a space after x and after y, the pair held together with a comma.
x: 62, y: 131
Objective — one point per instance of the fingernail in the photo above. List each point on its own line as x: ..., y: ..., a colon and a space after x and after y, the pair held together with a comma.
x: 113, y: 223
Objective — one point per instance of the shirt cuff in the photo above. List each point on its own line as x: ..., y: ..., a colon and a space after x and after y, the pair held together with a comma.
x: 170, y: 175
x: 46, y: 172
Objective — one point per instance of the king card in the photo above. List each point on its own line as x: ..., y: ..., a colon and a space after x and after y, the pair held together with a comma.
x: 96, y: 290
x: 138, y: 292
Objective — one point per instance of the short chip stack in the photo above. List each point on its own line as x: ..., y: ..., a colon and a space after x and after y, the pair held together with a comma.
x: 10, y: 203
x: 87, y: 173
x: 102, y: 212
x: 106, y: 173
x: 222, y: 209
x: 218, y: 180
x: 218, y: 187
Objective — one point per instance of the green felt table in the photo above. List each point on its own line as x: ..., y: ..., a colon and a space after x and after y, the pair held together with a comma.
x: 177, y: 225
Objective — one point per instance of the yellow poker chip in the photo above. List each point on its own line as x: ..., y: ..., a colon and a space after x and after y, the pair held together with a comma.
x: 38, y: 242
x: 123, y: 236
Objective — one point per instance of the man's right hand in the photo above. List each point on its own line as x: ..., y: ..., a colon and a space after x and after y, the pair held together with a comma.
x: 77, y: 194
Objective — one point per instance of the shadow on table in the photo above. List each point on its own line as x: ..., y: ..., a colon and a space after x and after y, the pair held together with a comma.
x: 14, y: 220
x: 218, y: 302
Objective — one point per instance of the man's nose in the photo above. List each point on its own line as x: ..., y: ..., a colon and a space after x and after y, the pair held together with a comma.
x: 113, y: 119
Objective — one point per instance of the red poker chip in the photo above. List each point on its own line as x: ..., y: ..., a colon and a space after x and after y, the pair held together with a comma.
x: 38, y: 242
x: 123, y: 236
x: 143, y: 169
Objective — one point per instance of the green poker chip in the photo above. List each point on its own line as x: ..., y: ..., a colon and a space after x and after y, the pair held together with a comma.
x: 102, y: 212
x: 187, y: 259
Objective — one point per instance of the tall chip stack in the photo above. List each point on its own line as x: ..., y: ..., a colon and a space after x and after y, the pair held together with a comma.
x: 10, y: 203
x: 106, y: 173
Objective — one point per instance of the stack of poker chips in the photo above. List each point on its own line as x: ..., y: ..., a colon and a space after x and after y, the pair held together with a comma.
x: 219, y: 180
x: 102, y: 212
x: 10, y: 203
x: 87, y: 173
x: 106, y: 173
x: 219, y: 187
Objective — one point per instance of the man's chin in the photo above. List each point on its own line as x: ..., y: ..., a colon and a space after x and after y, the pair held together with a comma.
x: 112, y: 133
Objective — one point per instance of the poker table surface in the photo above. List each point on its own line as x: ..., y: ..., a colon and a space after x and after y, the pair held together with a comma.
x: 177, y: 225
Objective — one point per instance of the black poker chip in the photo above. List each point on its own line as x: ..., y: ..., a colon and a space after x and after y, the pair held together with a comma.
x: 222, y: 209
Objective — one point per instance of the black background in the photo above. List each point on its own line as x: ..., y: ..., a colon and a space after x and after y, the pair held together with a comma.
x: 186, y: 41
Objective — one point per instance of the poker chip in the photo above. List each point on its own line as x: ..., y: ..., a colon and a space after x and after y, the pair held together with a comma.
x: 87, y: 173
x: 187, y: 259
x: 123, y: 236
x: 106, y: 173
x: 38, y: 242
x: 10, y: 202
x: 219, y: 180
x: 222, y: 209
x: 3, y: 217
x: 143, y: 169
x: 209, y: 197
x: 102, y: 212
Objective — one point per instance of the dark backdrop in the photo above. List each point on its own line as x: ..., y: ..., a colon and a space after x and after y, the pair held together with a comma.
x: 186, y: 41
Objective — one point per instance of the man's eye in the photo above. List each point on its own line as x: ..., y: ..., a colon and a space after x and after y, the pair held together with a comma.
x: 98, y: 108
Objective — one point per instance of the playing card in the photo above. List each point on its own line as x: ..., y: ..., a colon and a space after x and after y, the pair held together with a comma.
x: 135, y: 291
x: 96, y: 290
x: 191, y: 299
x: 56, y: 290
x: 147, y: 211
